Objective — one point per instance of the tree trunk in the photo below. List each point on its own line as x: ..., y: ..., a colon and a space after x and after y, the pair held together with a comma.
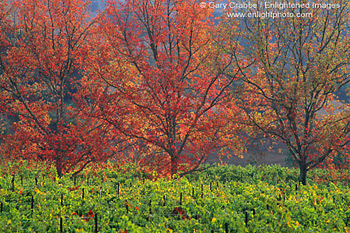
x: 303, y: 171
x: 174, y: 165
x: 59, y: 167
x: 59, y: 171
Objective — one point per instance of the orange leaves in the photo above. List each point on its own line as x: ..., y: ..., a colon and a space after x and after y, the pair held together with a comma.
x: 180, y: 211
x: 88, y: 216
x: 145, y: 76
x: 166, y: 77
x: 74, y: 188
x: 42, y: 75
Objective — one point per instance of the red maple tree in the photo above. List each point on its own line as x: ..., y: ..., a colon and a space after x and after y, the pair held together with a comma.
x: 43, y: 46
x: 161, y: 83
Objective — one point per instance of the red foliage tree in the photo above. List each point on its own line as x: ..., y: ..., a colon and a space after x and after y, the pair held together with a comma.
x: 42, y: 47
x: 163, y: 85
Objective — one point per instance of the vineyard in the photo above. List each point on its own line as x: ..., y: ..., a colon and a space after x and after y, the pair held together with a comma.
x: 221, y: 199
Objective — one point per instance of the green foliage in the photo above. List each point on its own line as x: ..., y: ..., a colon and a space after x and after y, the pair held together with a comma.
x: 269, y: 196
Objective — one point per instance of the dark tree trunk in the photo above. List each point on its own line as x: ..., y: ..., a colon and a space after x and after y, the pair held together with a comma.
x: 59, y: 167
x: 59, y: 171
x: 303, y: 171
x: 174, y: 165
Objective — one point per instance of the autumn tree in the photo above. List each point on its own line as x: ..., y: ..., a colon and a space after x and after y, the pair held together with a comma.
x: 163, y: 82
x: 298, y: 65
x: 42, y: 47
x: 3, y: 28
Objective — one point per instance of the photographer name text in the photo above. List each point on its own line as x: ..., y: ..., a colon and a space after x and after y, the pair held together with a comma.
x: 270, y: 5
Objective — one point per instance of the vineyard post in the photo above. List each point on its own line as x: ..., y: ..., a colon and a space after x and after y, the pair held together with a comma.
x: 100, y: 191
x: 201, y: 190
x: 61, y: 224
x: 36, y: 181
x: 226, y: 227
x: 22, y: 180
x: 96, y: 230
x: 61, y: 221
x: 180, y: 199
x: 150, y: 207
x: 13, y: 183
x: 193, y: 192
x: 82, y: 195
x: 210, y: 186
x: 163, y: 200
x: 246, y: 218
x: 32, y: 204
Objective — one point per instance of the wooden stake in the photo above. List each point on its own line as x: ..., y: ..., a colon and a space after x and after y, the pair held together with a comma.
x: 150, y: 207
x: 32, y: 205
x: 61, y: 225
x: 201, y: 190
x: 96, y: 224
x: 13, y: 183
